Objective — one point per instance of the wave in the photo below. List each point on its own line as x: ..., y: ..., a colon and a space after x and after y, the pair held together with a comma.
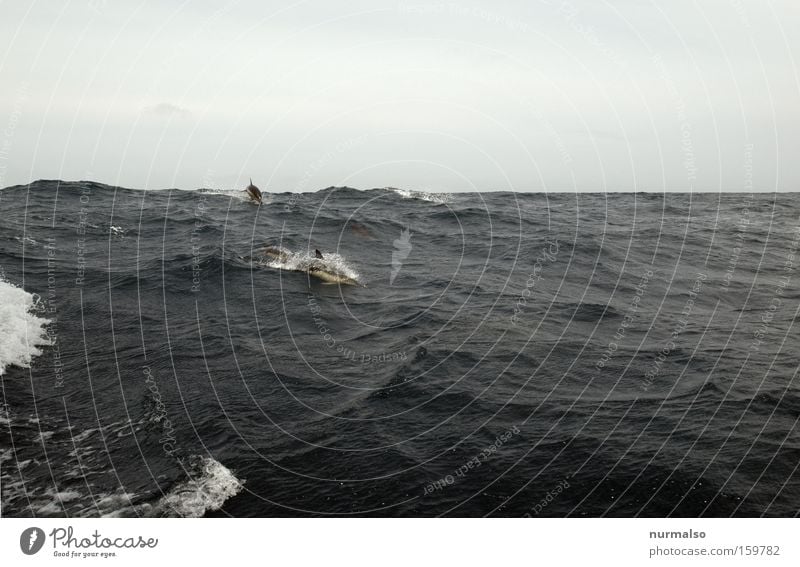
x: 209, y: 485
x: 438, y: 198
x: 425, y: 358
x: 76, y: 459
x: 237, y: 194
x: 22, y: 331
x: 207, y: 492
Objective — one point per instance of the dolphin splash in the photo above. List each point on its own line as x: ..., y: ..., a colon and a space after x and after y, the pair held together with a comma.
x: 329, y: 270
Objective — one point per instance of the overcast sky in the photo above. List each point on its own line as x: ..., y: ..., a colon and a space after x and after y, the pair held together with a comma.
x: 441, y: 96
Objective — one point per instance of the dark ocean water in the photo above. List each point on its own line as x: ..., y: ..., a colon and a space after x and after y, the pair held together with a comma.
x: 507, y: 354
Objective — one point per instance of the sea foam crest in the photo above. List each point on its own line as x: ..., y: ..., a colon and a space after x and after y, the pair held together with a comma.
x: 206, y: 487
x: 238, y: 194
x: 438, y: 198
x: 209, y: 485
x: 207, y: 490
x: 22, y: 332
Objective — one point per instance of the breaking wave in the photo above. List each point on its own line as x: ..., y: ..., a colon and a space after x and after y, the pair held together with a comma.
x: 22, y: 330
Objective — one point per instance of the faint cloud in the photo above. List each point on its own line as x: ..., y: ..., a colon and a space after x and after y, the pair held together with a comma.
x: 167, y: 110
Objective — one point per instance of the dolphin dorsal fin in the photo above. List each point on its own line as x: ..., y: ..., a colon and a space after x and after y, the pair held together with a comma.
x: 318, y: 254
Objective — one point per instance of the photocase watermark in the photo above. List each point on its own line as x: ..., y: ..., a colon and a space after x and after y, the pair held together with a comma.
x: 738, y: 7
x: 346, y: 352
x: 208, y: 179
x: 194, y: 239
x: 97, y: 6
x: 686, y: 144
x: 780, y: 287
x: 80, y: 230
x: 167, y: 439
x: 748, y: 168
x: 31, y: 540
x: 402, y: 248
x: 340, y: 148
x: 570, y: 13
x: 680, y: 327
x: 549, y: 497
x: 10, y: 129
x: 67, y: 544
x: 744, y: 218
x: 454, y: 9
x: 50, y: 302
x: 472, y: 463
x: 627, y: 320
x: 547, y: 255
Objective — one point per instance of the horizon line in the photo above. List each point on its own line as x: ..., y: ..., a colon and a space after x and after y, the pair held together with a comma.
x: 392, y: 188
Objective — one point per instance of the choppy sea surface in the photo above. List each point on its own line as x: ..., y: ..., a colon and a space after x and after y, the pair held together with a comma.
x: 503, y: 354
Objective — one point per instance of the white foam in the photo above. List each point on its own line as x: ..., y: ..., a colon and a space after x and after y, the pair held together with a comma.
x: 64, y: 495
x: 83, y: 435
x: 207, y: 491
x: 50, y: 509
x: 113, y: 505
x: 21, y: 331
x: 238, y: 194
x: 43, y: 436
x: 52, y: 502
x: 438, y: 198
x: 302, y: 261
x: 209, y: 486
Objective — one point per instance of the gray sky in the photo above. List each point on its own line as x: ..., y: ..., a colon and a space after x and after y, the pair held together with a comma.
x: 437, y: 96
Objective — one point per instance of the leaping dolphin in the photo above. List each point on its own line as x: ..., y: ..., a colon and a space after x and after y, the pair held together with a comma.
x: 254, y: 192
x: 316, y: 269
